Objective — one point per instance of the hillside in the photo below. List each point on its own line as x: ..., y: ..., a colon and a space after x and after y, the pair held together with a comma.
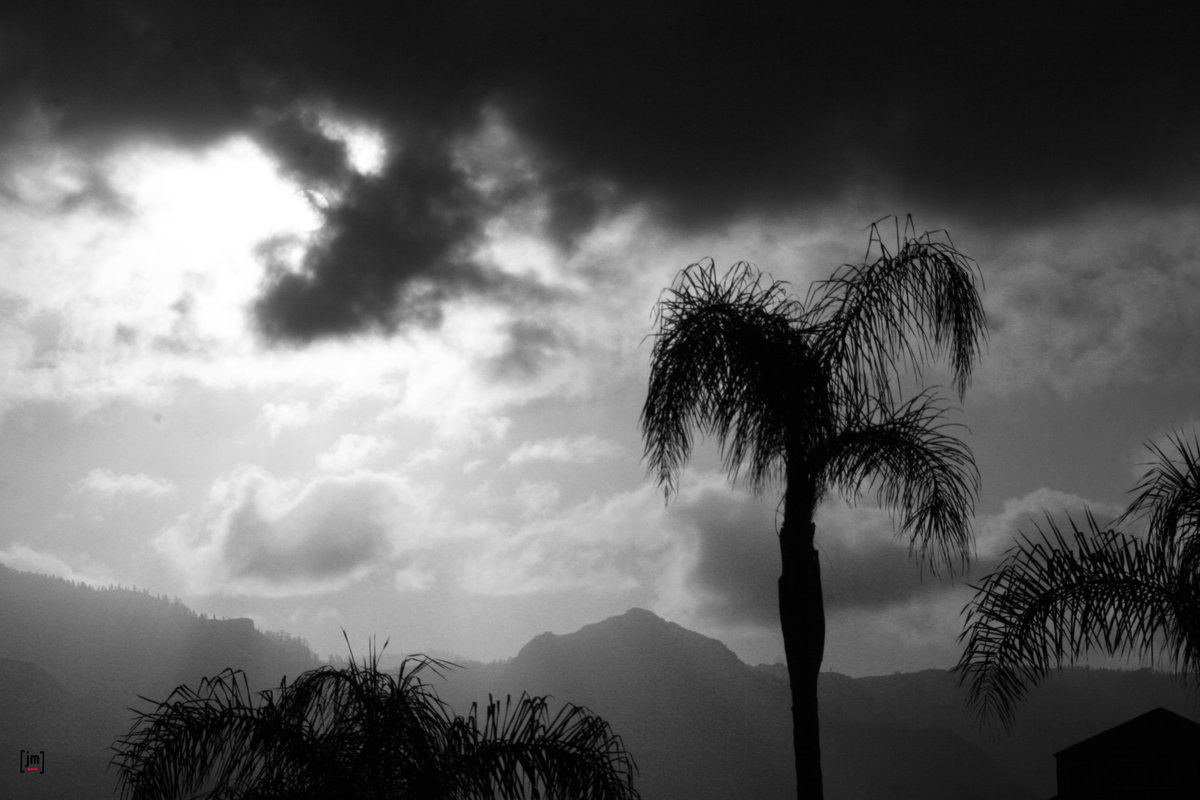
x: 701, y: 724
x: 105, y: 643
x: 704, y: 725
x: 74, y: 659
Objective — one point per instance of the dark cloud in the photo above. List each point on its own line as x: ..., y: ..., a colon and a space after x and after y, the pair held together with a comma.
x: 297, y: 545
x: 705, y: 111
x: 737, y: 571
x: 389, y: 252
x: 1099, y: 303
x: 311, y: 156
x: 875, y: 572
x: 529, y: 348
x: 863, y: 564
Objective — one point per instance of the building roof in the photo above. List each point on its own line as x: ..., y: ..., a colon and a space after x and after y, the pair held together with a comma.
x: 1155, y: 730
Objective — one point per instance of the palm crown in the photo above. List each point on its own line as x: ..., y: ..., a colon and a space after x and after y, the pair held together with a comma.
x: 1061, y: 593
x: 811, y: 386
x: 362, y: 733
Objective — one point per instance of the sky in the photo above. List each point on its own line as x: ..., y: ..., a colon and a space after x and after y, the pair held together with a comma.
x: 335, y: 316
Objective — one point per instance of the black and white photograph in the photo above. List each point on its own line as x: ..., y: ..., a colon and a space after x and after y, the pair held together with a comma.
x: 479, y: 399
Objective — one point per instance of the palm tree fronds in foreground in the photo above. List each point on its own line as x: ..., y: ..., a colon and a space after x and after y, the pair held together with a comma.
x: 361, y: 733
x: 1057, y: 596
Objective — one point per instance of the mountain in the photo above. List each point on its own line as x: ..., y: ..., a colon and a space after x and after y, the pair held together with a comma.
x: 113, y: 644
x: 702, y: 724
x: 699, y: 722
x: 1071, y: 706
x: 74, y: 659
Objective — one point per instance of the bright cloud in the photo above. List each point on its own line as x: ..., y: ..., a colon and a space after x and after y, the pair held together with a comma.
x: 281, y: 416
x: 148, y: 295
x: 265, y: 536
x: 26, y: 559
x: 352, y: 451
x: 570, y: 450
x: 366, y: 147
x: 413, y: 579
x: 107, y: 484
x: 602, y: 545
x: 996, y: 533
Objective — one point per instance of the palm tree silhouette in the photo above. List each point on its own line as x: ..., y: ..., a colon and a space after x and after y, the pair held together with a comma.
x: 1054, y: 597
x: 806, y: 394
x: 361, y: 733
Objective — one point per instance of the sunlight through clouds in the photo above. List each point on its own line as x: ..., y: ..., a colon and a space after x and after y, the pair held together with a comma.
x: 366, y: 147
x: 153, y: 293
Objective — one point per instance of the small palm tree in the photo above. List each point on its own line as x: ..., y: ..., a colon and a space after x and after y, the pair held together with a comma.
x: 361, y: 733
x: 805, y: 395
x: 1056, y: 597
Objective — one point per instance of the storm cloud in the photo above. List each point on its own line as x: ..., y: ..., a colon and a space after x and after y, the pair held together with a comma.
x: 737, y: 566
x: 702, y: 113
x: 866, y: 566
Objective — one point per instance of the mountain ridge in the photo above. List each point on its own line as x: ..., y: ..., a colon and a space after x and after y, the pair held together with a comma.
x: 75, y: 659
x: 701, y: 723
x: 913, y: 729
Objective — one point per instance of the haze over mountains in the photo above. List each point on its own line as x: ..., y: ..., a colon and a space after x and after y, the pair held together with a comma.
x: 700, y: 722
x: 73, y: 660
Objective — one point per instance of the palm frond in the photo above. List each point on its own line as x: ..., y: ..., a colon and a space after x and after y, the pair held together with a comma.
x: 729, y: 360
x: 373, y: 728
x: 519, y: 751
x: 213, y: 736
x: 917, y: 468
x: 1168, y: 493
x: 361, y: 732
x: 916, y: 304
x: 1052, y: 600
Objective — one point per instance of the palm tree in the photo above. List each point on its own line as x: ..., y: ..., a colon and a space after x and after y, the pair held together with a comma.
x: 805, y: 395
x: 361, y: 733
x: 1056, y: 597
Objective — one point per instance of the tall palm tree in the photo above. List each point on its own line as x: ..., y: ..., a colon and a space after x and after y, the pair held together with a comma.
x: 362, y: 733
x: 805, y: 396
x: 1056, y: 597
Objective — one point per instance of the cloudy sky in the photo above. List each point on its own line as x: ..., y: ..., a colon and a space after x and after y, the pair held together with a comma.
x: 334, y: 316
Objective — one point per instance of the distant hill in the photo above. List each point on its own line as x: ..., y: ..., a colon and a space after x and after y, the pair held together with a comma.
x: 702, y: 724
x: 73, y: 660
x: 111, y: 644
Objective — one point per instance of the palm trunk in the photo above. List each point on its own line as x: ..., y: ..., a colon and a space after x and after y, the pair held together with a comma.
x: 802, y: 618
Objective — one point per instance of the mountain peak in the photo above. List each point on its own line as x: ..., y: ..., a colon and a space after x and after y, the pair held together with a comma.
x: 636, y: 642
x: 640, y: 613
